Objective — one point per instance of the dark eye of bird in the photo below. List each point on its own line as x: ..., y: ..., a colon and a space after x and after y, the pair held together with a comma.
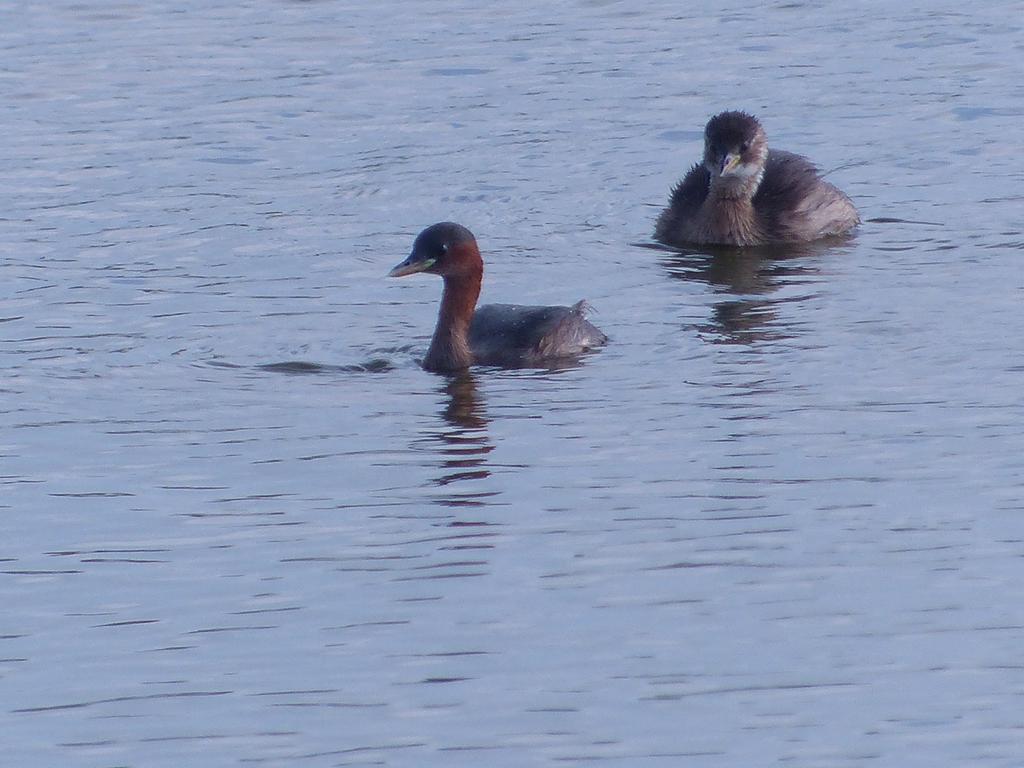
x: 744, y: 146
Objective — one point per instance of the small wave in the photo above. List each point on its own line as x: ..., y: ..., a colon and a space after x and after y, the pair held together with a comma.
x: 303, y: 367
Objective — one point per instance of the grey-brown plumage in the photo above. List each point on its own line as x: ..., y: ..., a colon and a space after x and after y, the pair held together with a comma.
x: 745, y: 194
x: 496, y: 334
x: 514, y: 335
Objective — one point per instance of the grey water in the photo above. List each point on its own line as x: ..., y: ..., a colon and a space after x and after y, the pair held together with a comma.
x: 779, y: 520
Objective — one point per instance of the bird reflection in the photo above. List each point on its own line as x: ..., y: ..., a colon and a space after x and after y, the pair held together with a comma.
x: 464, y: 408
x: 746, y: 277
x: 462, y: 442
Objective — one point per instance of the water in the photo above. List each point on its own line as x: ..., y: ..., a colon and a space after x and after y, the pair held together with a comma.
x: 777, y: 521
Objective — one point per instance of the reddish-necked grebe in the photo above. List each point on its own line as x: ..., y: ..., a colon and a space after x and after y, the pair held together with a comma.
x: 495, y: 334
x: 746, y: 194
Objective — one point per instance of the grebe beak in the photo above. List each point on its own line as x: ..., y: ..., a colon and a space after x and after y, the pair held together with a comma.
x: 729, y: 163
x: 411, y: 266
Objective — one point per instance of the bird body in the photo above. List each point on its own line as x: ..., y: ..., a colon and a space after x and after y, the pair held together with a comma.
x: 515, y: 335
x: 745, y: 194
x: 508, y: 335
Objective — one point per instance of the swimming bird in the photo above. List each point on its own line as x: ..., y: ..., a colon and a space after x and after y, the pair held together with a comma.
x: 506, y: 335
x: 744, y: 193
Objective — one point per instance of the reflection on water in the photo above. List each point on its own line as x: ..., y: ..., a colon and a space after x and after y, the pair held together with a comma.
x: 462, y: 442
x: 743, y: 321
x: 746, y: 277
x: 464, y: 408
x: 460, y: 437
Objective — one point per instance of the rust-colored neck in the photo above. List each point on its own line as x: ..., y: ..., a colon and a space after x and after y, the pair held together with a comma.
x: 449, y: 348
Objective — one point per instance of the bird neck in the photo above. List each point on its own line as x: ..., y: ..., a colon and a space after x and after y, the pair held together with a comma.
x: 736, y: 188
x: 731, y: 220
x: 449, y: 347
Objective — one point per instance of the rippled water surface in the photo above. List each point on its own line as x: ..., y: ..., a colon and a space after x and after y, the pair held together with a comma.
x: 779, y: 520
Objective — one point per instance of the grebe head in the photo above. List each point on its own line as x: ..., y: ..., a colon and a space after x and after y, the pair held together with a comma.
x: 445, y: 249
x: 735, y: 147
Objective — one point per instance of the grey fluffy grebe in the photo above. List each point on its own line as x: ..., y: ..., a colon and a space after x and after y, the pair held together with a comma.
x: 496, y: 334
x: 746, y: 194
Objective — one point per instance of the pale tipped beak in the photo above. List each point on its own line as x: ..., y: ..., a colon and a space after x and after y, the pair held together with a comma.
x: 729, y: 163
x: 411, y: 266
